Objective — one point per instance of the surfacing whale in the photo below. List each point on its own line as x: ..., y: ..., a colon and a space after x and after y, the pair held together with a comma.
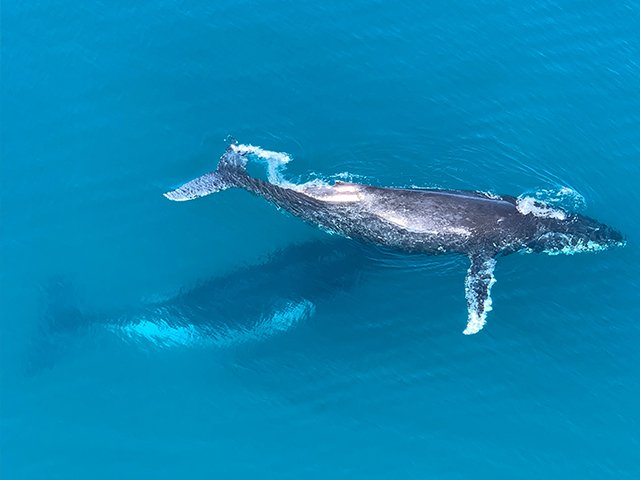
x: 419, y: 221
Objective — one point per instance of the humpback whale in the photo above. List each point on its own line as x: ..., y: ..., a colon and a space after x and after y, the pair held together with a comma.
x: 242, y: 306
x: 479, y: 225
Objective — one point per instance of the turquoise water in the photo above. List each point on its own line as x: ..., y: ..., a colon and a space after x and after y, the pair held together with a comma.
x: 219, y: 338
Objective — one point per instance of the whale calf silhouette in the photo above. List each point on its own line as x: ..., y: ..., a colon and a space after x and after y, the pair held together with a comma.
x: 419, y: 221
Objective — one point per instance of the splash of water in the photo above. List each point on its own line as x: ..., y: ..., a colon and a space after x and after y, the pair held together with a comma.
x: 551, y: 202
x: 529, y: 205
x: 280, y: 157
x: 276, y: 163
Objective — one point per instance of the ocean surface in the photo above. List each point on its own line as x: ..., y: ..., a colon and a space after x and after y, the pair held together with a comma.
x: 220, y: 338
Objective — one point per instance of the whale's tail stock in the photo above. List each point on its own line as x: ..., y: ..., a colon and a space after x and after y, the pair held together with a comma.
x: 231, y: 168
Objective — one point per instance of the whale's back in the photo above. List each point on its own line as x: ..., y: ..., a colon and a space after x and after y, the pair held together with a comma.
x: 426, y: 219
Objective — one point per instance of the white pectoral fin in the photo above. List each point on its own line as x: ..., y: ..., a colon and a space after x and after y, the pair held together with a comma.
x: 477, y: 287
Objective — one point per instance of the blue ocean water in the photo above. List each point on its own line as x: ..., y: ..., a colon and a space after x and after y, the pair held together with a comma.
x: 219, y: 338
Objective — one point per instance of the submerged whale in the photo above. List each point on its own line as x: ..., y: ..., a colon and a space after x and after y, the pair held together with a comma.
x: 239, y: 307
x: 419, y: 221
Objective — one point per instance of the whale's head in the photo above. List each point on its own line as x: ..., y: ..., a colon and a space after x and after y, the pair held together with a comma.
x: 574, y: 234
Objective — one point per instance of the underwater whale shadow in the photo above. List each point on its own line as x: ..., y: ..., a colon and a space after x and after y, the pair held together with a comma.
x: 248, y: 304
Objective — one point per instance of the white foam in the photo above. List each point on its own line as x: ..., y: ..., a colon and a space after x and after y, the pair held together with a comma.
x: 565, y: 197
x: 491, y: 195
x: 349, y: 177
x: 530, y: 205
x: 475, y: 323
x: 551, y: 202
x: 280, y: 157
x: 276, y: 165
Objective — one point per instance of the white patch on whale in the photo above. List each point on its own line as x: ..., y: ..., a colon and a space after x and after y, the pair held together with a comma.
x: 341, y: 198
x: 394, y: 218
x: 339, y: 193
x: 459, y: 231
x: 579, y: 247
x: 346, y: 187
x: 405, y: 223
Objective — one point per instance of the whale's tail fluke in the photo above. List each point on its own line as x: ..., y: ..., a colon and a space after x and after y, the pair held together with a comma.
x: 231, y: 169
